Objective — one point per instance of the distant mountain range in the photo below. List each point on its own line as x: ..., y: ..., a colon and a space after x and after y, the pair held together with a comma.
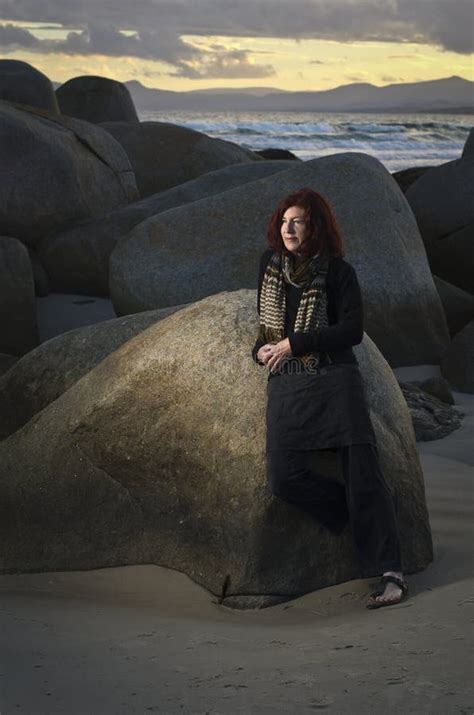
x: 452, y: 94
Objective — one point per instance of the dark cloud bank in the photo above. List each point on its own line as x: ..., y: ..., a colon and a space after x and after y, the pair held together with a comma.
x: 98, y: 27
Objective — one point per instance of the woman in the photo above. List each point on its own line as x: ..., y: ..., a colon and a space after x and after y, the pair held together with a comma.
x: 310, y: 308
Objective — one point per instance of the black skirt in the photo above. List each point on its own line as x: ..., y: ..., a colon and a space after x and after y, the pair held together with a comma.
x: 321, y: 410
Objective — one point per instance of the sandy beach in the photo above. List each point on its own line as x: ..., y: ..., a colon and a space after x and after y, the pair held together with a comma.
x: 148, y: 639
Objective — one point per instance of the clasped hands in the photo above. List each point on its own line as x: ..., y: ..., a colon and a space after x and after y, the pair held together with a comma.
x: 273, y: 354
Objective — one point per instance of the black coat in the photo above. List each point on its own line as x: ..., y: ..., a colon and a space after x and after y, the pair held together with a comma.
x: 328, y: 409
x: 344, y: 310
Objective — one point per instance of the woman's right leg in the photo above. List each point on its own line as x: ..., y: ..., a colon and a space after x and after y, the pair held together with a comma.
x: 292, y: 480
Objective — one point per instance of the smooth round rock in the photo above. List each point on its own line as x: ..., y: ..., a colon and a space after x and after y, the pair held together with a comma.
x: 23, y: 84
x: 43, y: 374
x: 451, y: 257
x: 458, y: 305
x: 165, y: 155
x: 158, y: 456
x: 96, y: 99
x: 406, y: 177
x: 56, y: 171
x: 77, y: 258
x: 442, y: 202
x: 277, y: 154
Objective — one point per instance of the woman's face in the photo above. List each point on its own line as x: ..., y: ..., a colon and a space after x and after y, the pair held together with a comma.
x: 293, y: 229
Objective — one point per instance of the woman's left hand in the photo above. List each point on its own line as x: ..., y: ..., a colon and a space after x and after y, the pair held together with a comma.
x: 279, y: 352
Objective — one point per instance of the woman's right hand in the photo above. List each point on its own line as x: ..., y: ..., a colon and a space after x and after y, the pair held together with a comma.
x: 264, y: 353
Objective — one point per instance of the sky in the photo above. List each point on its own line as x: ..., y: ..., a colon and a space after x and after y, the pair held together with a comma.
x: 194, y: 44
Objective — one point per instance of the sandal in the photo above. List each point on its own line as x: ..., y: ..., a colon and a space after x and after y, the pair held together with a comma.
x: 400, y: 582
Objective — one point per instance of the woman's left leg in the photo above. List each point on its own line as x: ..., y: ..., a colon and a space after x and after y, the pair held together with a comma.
x: 371, y: 510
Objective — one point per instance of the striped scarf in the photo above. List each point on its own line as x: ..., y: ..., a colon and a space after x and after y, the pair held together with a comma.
x: 311, y: 315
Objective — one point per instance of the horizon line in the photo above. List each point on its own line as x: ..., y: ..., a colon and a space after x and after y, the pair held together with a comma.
x: 270, y: 89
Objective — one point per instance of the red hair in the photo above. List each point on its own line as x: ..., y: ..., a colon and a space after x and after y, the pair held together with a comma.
x: 324, y: 234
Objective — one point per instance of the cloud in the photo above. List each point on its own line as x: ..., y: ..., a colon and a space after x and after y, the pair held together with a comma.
x: 97, y: 26
x: 448, y: 23
x: 231, y: 65
x: 187, y: 59
x: 12, y: 38
x: 100, y: 39
x: 150, y: 74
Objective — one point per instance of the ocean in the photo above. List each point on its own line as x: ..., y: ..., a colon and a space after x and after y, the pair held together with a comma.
x: 398, y: 141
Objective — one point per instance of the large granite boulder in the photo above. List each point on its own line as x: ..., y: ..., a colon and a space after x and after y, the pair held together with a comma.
x: 215, y: 244
x: 442, y: 201
x: 56, y: 171
x: 18, y: 327
x: 96, y: 99
x: 274, y: 153
x: 406, y: 177
x: 457, y: 365
x: 165, y: 155
x: 43, y: 374
x: 452, y: 257
x: 458, y: 305
x: 468, y: 149
x: 77, y: 258
x: 157, y: 456
x: 23, y: 84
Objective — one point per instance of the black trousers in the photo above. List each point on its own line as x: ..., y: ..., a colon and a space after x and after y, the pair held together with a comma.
x: 364, y: 500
